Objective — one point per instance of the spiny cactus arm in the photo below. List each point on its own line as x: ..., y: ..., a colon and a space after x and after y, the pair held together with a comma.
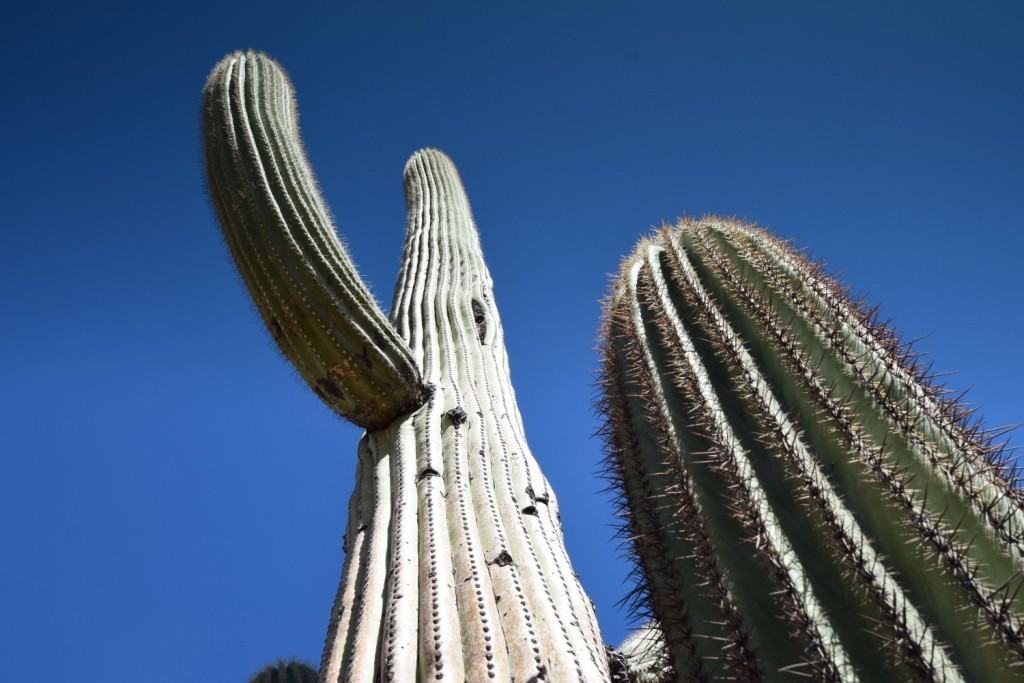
x: 931, y: 428
x: 848, y: 544
x: 684, y: 388
x: 897, y: 494
x: 666, y: 534
x: 303, y: 282
x: 891, y: 543
x: 287, y: 672
x: 478, y: 585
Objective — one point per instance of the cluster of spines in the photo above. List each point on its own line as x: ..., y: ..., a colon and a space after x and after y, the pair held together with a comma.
x: 742, y: 383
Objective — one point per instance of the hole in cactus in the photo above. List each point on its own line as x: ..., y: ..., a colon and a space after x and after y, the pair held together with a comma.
x: 530, y: 510
x: 480, y: 320
x: 503, y: 559
x: 457, y: 415
x: 328, y: 387
x: 428, y: 472
x: 534, y: 497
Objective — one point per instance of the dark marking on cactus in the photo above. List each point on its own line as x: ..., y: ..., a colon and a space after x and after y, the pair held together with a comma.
x: 530, y: 510
x: 427, y: 472
x: 275, y: 329
x: 328, y: 387
x: 503, y: 559
x: 457, y: 416
x: 534, y: 497
x: 480, y: 320
x: 287, y: 672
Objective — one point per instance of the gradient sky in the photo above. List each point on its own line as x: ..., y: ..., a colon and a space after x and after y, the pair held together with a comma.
x: 172, y: 497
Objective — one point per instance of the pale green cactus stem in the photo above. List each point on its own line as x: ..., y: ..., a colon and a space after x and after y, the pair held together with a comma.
x: 455, y: 566
x: 793, y: 486
x: 303, y: 282
x: 287, y: 672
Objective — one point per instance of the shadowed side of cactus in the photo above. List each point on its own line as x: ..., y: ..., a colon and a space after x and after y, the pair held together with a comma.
x: 455, y: 566
x: 800, y: 498
x: 287, y: 672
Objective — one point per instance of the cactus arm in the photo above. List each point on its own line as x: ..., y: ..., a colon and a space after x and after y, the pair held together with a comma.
x: 987, y: 559
x: 478, y: 584
x: 854, y: 549
x: 890, y: 509
x: 690, y: 378
x: 929, y: 580
x: 934, y: 436
x: 439, y: 209
x: 534, y: 529
x: 305, y: 287
x: 695, y: 610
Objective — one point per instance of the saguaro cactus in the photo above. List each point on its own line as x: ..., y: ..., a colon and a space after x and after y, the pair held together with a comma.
x: 800, y: 498
x: 455, y: 566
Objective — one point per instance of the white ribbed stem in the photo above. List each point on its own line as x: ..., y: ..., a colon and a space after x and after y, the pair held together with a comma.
x: 498, y: 599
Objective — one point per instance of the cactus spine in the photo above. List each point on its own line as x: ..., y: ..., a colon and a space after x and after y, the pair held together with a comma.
x: 799, y: 497
x: 455, y: 566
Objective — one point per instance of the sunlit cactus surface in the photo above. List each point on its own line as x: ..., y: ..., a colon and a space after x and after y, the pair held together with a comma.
x: 802, y: 500
x: 455, y: 568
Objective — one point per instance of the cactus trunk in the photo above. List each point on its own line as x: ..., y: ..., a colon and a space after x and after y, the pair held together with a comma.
x: 455, y: 567
x: 801, y: 500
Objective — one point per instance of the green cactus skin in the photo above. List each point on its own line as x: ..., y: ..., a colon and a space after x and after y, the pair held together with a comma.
x: 287, y: 672
x: 799, y: 497
x: 455, y: 567
x: 303, y: 282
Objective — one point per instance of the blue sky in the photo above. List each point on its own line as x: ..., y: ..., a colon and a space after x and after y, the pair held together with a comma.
x: 172, y: 497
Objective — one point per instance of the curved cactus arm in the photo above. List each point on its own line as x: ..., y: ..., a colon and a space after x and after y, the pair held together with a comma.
x: 477, y: 585
x: 316, y: 307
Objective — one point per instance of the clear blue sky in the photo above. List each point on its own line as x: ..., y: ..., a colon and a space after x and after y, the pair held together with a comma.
x: 172, y: 497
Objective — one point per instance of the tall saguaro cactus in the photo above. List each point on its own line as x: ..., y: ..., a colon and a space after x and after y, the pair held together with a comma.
x: 800, y: 499
x: 455, y: 566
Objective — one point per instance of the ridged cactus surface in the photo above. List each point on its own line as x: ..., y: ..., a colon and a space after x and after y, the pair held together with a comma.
x: 801, y: 500
x: 303, y: 282
x: 455, y: 566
